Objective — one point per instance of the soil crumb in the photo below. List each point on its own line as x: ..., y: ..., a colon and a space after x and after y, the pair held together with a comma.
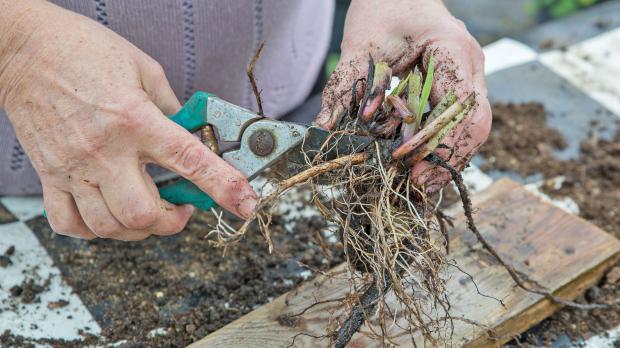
x: 5, y: 260
x: 520, y: 141
x: 592, y: 180
x: 28, y: 291
x: 172, y: 291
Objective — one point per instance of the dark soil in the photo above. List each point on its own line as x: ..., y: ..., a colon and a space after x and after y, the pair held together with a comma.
x: 520, y: 141
x: 180, y: 285
x: 5, y: 215
x: 28, y: 291
x: 5, y: 260
x: 592, y: 181
x: 184, y: 288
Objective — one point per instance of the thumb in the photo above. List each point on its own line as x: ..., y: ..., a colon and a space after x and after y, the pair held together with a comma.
x: 339, y: 89
x: 156, y: 85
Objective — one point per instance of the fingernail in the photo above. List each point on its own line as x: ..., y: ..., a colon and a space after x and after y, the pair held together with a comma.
x: 335, y: 117
x: 189, y: 209
x: 423, y: 179
x: 247, y: 204
x: 431, y: 189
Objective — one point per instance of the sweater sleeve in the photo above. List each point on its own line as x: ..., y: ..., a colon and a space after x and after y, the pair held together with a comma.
x: 205, y: 45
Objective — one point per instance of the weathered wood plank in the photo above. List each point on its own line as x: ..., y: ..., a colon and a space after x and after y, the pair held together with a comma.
x: 562, y: 252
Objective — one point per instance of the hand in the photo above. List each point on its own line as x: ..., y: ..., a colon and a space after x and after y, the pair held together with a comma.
x: 400, y: 33
x: 89, y: 107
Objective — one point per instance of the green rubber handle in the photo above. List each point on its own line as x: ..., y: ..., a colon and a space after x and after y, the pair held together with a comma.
x: 185, y: 192
x: 192, y: 116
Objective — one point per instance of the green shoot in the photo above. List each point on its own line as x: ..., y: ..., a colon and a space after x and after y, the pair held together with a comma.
x: 426, y: 90
x: 413, y: 98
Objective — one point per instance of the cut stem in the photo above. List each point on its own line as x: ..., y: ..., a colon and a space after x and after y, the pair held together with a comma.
x: 413, y: 97
x: 447, y: 100
x: 436, y: 139
x: 380, y: 83
x: 427, y: 132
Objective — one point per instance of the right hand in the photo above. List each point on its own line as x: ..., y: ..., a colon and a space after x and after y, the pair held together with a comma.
x: 88, y: 108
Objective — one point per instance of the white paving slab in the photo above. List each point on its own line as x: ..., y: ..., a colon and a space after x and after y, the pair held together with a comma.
x: 505, y: 53
x: 593, y: 66
x: 475, y: 179
x: 606, y: 340
x: 36, y: 320
x: 24, y: 208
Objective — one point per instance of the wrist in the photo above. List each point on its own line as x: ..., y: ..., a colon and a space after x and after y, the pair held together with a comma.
x: 18, y: 21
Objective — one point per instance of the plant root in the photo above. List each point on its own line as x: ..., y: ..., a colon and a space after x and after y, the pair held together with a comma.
x: 390, y: 241
x: 226, y: 234
x: 367, y: 304
x: 520, y: 279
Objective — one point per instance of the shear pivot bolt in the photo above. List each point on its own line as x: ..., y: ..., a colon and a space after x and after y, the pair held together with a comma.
x: 262, y: 142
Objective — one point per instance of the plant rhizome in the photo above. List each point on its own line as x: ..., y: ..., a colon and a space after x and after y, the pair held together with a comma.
x: 394, y: 238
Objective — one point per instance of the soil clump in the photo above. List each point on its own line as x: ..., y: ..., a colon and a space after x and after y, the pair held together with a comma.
x: 520, y: 142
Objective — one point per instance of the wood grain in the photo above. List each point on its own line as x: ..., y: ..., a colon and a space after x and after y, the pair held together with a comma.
x: 562, y: 252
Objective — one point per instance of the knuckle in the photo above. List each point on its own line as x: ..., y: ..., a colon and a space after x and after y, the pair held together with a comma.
x: 191, y: 160
x: 142, y: 217
x: 177, y: 226
x: 122, y: 113
x: 472, y: 44
x: 234, y: 184
x: 460, y: 24
x: 130, y: 115
x: 106, y: 233
x: 59, y: 225
x: 107, y: 230
x: 60, y: 222
x: 156, y: 70
x: 180, y: 225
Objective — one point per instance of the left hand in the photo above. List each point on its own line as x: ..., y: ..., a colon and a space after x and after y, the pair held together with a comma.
x: 399, y: 32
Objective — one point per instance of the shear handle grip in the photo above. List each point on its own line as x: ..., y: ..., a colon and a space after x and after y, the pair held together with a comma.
x: 192, y: 117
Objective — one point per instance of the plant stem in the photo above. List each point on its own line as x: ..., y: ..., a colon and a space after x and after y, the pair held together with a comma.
x: 380, y: 83
x: 447, y: 100
x: 427, y: 132
x: 436, y: 139
x: 426, y: 90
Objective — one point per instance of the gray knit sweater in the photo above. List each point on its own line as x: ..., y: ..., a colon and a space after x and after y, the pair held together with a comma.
x: 205, y: 45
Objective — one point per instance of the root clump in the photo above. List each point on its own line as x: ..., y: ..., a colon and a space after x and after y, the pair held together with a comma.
x: 395, y: 240
x: 385, y: 223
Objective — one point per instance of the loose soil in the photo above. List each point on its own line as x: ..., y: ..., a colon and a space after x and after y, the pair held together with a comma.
x: 172, y: 291
x: 520, y: 142
x: 5, y: 215
x: 169, y: 292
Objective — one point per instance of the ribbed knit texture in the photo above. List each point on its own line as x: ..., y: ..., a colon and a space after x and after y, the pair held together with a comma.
x: 205, y: 45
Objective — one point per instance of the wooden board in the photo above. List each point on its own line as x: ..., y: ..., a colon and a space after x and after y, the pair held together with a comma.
x: 564, y: 253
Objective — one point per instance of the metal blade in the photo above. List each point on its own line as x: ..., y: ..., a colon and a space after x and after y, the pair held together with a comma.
x: 331, y: 146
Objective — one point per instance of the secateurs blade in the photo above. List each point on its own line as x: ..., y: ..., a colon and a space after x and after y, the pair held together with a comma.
x: 254, y: 143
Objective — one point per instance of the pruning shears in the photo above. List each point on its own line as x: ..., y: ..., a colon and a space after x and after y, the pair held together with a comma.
x: 261, y: 143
